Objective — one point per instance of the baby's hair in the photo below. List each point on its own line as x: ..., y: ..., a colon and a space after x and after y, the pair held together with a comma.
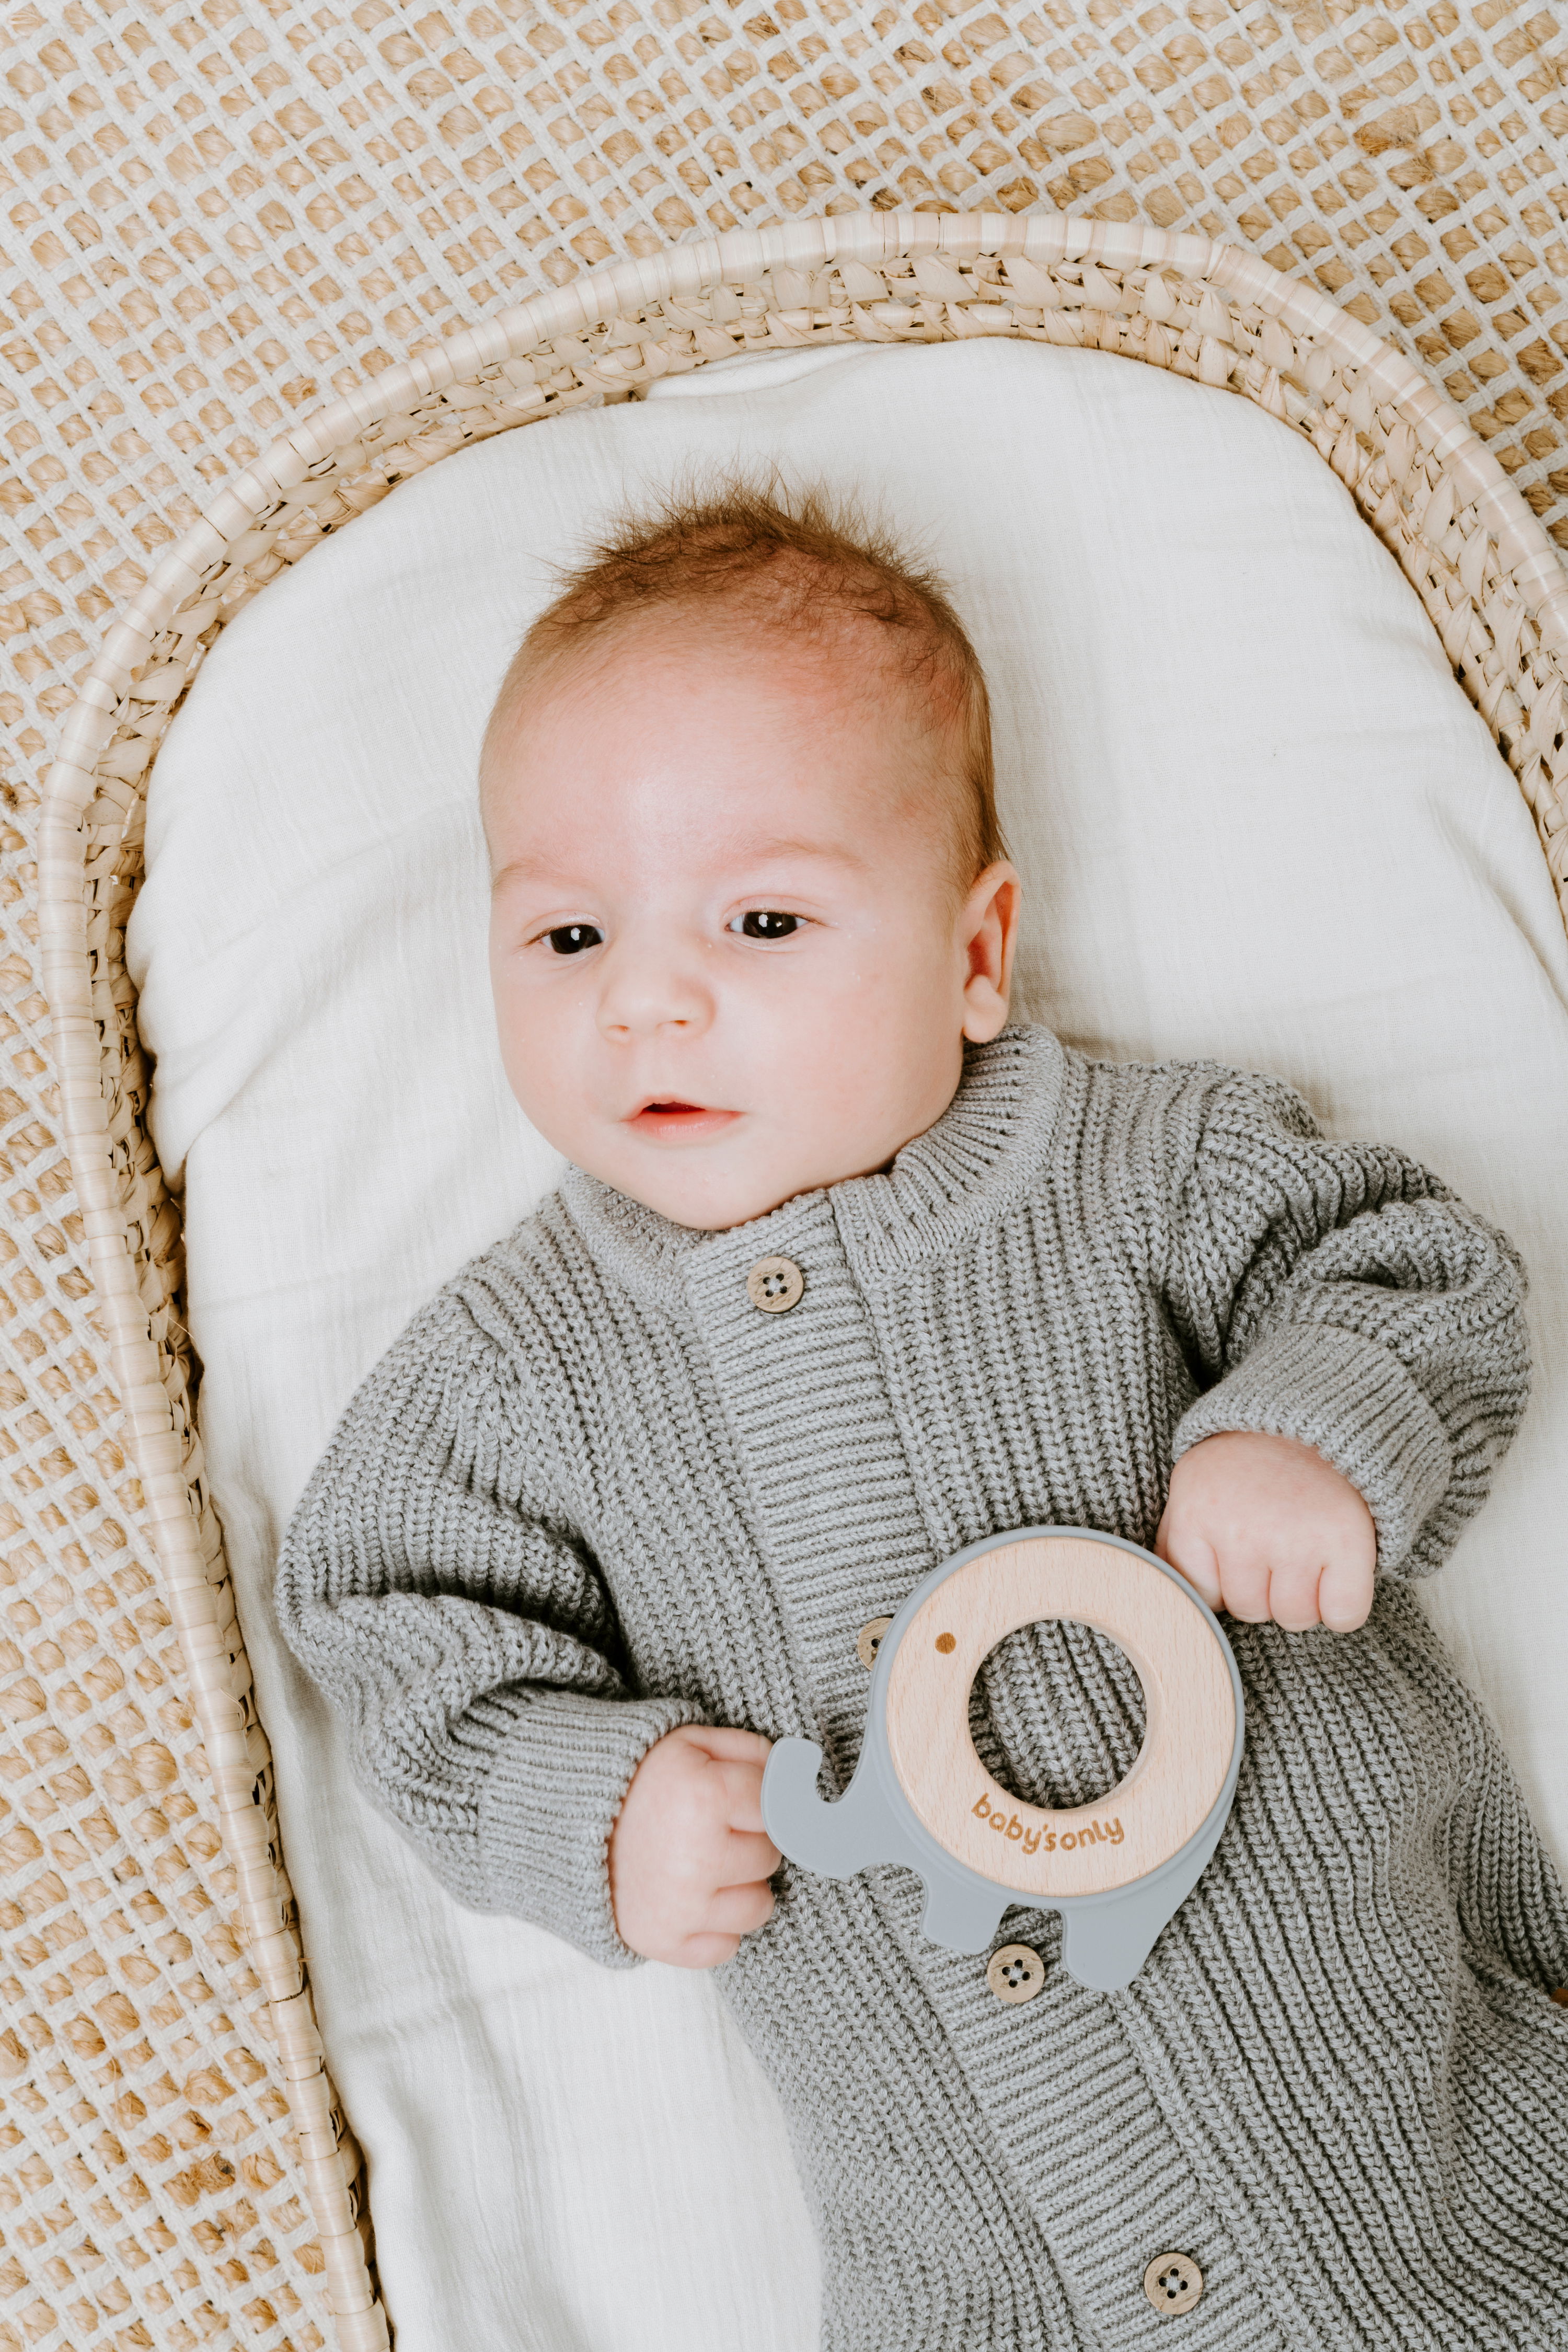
x: 801, y: 564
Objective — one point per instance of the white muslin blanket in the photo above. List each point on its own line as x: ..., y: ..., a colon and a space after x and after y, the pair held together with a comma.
x: 1256, y: 820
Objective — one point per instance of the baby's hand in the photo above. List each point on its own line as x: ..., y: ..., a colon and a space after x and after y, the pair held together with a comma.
x: 1266, y: 1528
x: 689, y: 1860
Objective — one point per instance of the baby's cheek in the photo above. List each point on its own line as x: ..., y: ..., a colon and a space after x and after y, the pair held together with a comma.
x: 548, y: 1063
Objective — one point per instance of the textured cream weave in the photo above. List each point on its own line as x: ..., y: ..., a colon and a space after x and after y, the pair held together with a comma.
x: 214, y: 218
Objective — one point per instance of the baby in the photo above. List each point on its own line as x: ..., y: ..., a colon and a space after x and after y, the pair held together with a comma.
x: 616, y: 1510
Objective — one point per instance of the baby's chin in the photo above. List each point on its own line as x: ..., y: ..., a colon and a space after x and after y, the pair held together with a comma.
x: 718, y: 1175
x: 709, y: 1200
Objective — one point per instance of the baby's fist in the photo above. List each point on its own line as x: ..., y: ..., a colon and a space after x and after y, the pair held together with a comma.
x: 689, y: 1860
x: 1266, y: 1528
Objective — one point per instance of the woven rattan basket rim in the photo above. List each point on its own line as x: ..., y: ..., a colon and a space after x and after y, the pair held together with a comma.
x: 1488, y: 575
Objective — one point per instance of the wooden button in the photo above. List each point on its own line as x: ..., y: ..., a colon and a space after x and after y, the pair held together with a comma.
x: 776, y: 1284
x: 869, y: 1640
x: 1172, y: 2282
x: 1015, y: 1973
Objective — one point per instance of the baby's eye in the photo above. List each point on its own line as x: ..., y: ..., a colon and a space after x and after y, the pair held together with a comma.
x: 571, y: 938
x: 759, y: 923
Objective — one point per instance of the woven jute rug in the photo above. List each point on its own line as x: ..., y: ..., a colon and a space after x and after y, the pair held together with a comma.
x: 214, y: 220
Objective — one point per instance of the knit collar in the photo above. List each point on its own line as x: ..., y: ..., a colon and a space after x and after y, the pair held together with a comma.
x: 962, y: 1173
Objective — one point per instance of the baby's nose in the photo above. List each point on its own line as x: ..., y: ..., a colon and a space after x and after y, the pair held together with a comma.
x: 642, y: 996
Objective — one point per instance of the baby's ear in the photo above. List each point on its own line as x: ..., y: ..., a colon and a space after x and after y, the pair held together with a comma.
x: 988, y: 936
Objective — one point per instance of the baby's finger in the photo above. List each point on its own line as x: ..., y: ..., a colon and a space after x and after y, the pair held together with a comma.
x: 1293, y: 1593
x: 1192, y: 1556
x: 742, y: 1796
x: 1244, y: 1586
x: 1344, y: 1595
x: 704, y: 1951
x: 729, y: 1745
x: 737, y: 1910
x: 747, y: 1859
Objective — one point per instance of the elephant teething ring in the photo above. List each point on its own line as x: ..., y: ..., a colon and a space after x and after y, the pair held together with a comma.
x: 1117, y: 1870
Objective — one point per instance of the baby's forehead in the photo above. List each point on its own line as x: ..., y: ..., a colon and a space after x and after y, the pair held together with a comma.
x: 714, y: 723
x: 832, y: 652
x: 689, y: 676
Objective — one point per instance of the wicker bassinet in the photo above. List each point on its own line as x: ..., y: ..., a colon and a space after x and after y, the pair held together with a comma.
x: 1484, y: 568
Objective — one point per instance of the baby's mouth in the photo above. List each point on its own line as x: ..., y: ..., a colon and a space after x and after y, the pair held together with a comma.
x: 671, y: 1118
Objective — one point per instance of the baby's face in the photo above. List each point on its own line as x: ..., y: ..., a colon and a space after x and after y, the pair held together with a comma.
x: 728, y: 956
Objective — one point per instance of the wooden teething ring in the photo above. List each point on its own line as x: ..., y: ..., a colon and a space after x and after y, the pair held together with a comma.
x: 1118, y: 1869
x: 1180, y: 1769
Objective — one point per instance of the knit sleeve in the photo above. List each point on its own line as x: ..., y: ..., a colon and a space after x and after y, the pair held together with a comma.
x: 1340, y: 1294
x: 466, y: 1639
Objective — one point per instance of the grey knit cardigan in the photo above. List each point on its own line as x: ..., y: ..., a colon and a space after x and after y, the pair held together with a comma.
x: 593, y: 1493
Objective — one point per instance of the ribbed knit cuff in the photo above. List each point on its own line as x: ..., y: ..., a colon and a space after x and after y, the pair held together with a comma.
x: 550, y: 1802
x: 1354, y: 1401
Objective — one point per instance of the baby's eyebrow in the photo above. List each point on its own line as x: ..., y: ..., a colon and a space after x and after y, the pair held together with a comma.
x: 832, y: 853
x: 747, y: 853
x: 519, y: 869
x: 527, y: 867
